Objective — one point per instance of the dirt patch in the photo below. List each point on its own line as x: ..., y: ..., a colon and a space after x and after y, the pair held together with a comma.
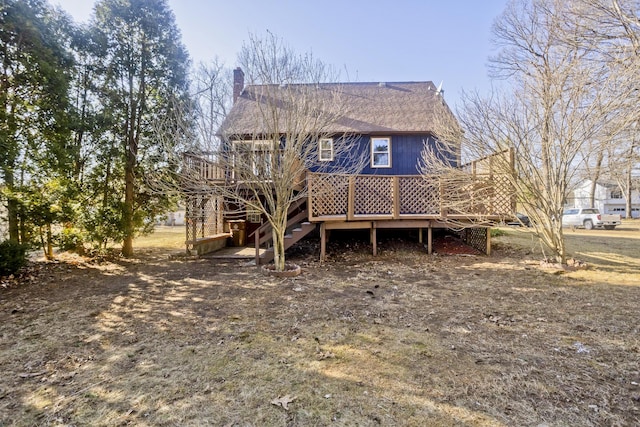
x: 399, y: 339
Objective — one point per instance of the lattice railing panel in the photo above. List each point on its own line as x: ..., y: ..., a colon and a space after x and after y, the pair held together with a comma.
x: 463, y: 195
x: 460, y: 195
x: 373, y: 195
x: 329, y: 193
x: 419, y: 195
x: 503, y: 196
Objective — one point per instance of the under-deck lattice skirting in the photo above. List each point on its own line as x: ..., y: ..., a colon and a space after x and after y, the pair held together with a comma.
x: 204, y: 217
x: 478, y: 238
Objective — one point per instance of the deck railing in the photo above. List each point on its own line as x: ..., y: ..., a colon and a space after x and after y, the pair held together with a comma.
x: 203, y: 166
x: 332, y: 197
x: 376, y: 197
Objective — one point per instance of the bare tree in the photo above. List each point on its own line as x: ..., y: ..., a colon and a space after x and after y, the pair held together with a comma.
x: 625, y: 164
x: 291, y: 116
x: 477, y: 191
x: 190, y: 144
x: 561, y: 97
x: 613, y: 27
x: 212, y: 97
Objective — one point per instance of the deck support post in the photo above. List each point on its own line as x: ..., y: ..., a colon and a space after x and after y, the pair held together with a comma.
x: 420, y: 235
x: 374, y: 238
x: 323, y: 241
x: 488, y: 241
x: 257, y: 244
x: 429, y: 240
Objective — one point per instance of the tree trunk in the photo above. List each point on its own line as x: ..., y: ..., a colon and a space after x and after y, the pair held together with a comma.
x: 129, y: 199
x: 49, y: 253
x: 128, y: 225
x: 131, y: 147
x: 278, y: 249
x: 12, y: 214
x: 629, y: 176
x: 12, y: 205
x: 595, y: 178
x: 561, y: 251
x: 42, y: 243
x: 629, y: 193
x: 279, y: 228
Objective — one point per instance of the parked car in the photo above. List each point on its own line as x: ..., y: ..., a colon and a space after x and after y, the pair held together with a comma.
x: 520, y: 220
x: 589, y: 218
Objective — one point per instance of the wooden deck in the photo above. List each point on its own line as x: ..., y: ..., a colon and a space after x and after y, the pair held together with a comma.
x: 412, y: 197
x: 470, y: 200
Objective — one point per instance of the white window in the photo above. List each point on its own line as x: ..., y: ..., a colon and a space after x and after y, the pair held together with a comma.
x: 325, y: 149
x: 616, y: 193
x: 254, y: 216
x: 380, y: 152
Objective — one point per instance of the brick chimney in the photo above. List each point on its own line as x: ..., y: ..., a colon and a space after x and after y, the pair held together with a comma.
x: 238, y: 83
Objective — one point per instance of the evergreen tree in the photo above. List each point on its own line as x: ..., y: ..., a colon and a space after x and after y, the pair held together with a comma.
x: 34, y: 131
x: 145, y: 68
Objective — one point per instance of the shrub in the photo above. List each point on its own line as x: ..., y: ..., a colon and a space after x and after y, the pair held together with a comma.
x: 496, y: 232
x: 13, y: 256
x: 71, y: 239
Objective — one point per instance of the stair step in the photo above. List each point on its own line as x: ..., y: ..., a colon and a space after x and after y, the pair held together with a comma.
x: 297, y: 231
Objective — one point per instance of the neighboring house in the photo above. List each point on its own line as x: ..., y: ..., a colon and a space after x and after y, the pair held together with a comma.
x: 390, y: 123
x: 608, y: 198
x: 176, y: 217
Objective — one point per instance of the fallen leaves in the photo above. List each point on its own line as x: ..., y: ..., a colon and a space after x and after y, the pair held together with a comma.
x: 326, y: 355
x: 283, y: 401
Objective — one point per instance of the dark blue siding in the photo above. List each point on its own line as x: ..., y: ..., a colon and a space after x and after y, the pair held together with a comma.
x: 405, y: 154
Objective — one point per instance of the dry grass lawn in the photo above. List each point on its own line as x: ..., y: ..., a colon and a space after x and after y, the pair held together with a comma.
x: 400, y: 339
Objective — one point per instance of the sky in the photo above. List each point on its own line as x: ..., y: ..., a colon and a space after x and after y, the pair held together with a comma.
x: 446, y: 42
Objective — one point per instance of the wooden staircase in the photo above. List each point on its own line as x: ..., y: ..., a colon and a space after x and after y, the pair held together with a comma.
x: 298, y: 227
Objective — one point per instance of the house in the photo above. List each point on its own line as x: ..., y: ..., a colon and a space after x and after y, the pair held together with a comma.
x: 174, y: 218
x: 389, y: 125
x: 608, y: 198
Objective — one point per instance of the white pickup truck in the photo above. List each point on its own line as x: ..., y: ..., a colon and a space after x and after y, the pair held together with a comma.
x: 589, y: 218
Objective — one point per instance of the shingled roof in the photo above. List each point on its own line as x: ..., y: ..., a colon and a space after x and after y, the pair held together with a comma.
x: 402, y: 107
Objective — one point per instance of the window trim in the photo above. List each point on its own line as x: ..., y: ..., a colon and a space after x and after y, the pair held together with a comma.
x: 373, y: 152
x: 254, y: 216
x: 321, y: 150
